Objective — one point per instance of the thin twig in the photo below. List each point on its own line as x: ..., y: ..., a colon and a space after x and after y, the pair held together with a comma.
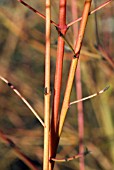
x: 23, y: 99
x: 97, y: 9
x: 67, y: 42
x: 71, y: 158
x: 91, y: 96
x: 67, y: 159
x: 17, y: 151
x: 37, y: 12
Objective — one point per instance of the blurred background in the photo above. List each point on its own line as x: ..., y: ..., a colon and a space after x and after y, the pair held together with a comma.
x: 22, y: 51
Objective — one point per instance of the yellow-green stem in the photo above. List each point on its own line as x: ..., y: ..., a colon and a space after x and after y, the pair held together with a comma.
x: 47, y: 88
x: 74, y: 63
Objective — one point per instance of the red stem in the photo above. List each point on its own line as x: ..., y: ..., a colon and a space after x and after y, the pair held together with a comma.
x: 58, y: 77
x: 80, y: 115
x: 59, y: 62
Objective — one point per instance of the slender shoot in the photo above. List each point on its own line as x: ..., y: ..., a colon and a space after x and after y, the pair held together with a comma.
x: 47, y: 86
x: 23, y: 99
x: 71, y: 158
x: 67, y: 42
x: 37, y: 12
x: 95, y: 10
x: 91, y: 96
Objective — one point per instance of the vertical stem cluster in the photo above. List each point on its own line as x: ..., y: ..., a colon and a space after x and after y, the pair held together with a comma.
x: 56, y: 130
x: 52, y: 134
x: 47, y: 88
x: 74, y: 63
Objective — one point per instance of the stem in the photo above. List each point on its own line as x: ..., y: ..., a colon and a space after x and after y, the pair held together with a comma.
x: 97, y: 9
x: 74, y: 63
x: 47, y: 87
x: 59, y: 62
x: 58, y: 78
x: 80, y: 116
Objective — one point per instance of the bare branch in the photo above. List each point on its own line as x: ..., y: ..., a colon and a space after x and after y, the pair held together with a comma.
x: 97, y: 9
x: 37, y: 12
x: 23, y: 99
x: 91, y: 96
x: 71, y: 158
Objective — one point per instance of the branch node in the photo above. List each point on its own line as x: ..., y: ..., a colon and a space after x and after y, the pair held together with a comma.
x: 76, y: 55
x: 11, y: 85
x: 45, y: 91
x: 86, y: 152
x: 66, y: 159
x: 68, y: 105
x: 59, y: 32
